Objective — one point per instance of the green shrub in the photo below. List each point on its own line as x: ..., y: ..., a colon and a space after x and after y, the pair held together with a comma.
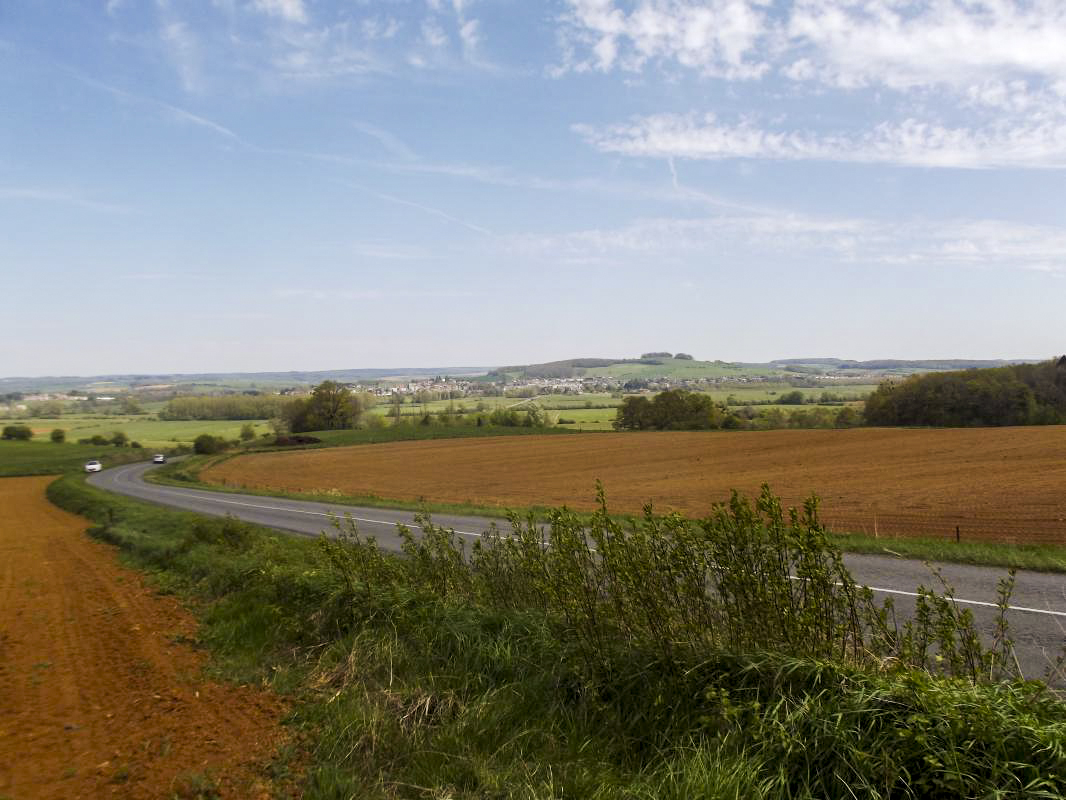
x: 58, y: 436
x: 206, y: 444
x: 17, y: 432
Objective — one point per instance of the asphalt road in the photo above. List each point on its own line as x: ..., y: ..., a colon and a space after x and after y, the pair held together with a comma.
x: 1038, y: 605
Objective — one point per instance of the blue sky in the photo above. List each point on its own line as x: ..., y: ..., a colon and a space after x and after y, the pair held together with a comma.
x: 246, y: 185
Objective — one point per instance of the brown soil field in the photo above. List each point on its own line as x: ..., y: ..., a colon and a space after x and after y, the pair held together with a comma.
x: 101, y: 694
x: 995, y: 484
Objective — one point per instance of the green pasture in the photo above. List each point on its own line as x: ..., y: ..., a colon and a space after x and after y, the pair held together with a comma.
x: 680, y: 369
x: 147, y: 430
x: 46, y: 458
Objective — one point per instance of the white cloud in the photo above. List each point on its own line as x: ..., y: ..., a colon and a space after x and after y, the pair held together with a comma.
x: 288, y: 10
x: 971, y: 83
x: 905, y: 44
x: 1032, y: 144
x: 989, y: 244
x: 715, y: 37
x: 846, y: 43
x: 469, y: 35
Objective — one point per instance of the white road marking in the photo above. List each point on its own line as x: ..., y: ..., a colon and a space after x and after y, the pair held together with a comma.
x: 191, y: 493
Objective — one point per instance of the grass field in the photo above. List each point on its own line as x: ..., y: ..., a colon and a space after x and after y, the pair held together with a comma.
x: 46, y: 458
x: 149, y: 431
x: 995, y: 485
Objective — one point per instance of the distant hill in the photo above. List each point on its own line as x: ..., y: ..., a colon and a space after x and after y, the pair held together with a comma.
x: 930, y: 365
x: 229, y: 379
x: 650, y: 366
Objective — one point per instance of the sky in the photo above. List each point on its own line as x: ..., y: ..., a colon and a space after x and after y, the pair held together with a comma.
x: 250, y: 185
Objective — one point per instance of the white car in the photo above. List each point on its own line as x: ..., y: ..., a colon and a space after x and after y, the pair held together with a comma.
x: 93, y: 466
x: 159, y: 458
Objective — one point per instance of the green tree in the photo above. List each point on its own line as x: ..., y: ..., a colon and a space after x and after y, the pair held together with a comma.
x: 58, y: 436
x: 331, y: 406
x: 119, y: 439
x: 674, y: 409
x: 247, y: 432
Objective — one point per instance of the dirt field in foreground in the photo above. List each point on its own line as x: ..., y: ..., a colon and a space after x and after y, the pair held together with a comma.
x: 995, y: 484
x: 100, y: 696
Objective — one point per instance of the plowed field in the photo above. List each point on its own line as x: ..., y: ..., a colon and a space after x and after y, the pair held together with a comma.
x: 100, y: 693
x: 1001, y: 484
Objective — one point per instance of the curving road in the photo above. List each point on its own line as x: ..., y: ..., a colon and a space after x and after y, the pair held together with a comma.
x: 1038, y: 605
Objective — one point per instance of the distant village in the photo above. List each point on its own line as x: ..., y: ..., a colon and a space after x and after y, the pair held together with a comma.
x: 415, y: 389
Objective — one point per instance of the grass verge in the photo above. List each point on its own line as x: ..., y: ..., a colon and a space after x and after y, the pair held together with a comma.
x: 420, y: 678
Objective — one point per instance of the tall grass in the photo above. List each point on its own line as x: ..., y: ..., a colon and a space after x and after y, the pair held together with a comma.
x: 730, y: 657
x: 750, y: 577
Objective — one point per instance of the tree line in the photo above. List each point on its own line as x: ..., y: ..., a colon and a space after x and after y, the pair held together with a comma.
x: 231, y: 407
x: 683, y: 410
x: 1020, y: 394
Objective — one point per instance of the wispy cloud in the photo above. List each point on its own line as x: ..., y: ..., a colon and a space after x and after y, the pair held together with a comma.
x: 866, y: 243
x: 911, y: 142
x: 64, y: 196
x: 893, y: 43
x: 436, y: 212
x: 716, y: 37
x: 367, y: 294
x: 392, y: 143
x: 961, y: 83
x: 169, y: 111
x: 288, y: 10
x: 182, y: 47
x: 391, y: 251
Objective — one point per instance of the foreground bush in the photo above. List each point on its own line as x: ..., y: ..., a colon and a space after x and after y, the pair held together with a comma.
x: 601, y: 666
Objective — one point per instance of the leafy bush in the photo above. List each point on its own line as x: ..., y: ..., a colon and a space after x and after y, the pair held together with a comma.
x: 17, y: 432
x: 206, y: 444
x: 58, y: 436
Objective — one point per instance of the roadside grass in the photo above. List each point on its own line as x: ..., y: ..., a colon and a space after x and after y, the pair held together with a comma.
x: 47, y: 458
x: 422, y: 677
x: 1039, y: 557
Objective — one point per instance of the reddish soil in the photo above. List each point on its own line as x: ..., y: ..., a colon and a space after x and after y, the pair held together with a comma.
x: 995, y: 484
x: 100, y: 693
